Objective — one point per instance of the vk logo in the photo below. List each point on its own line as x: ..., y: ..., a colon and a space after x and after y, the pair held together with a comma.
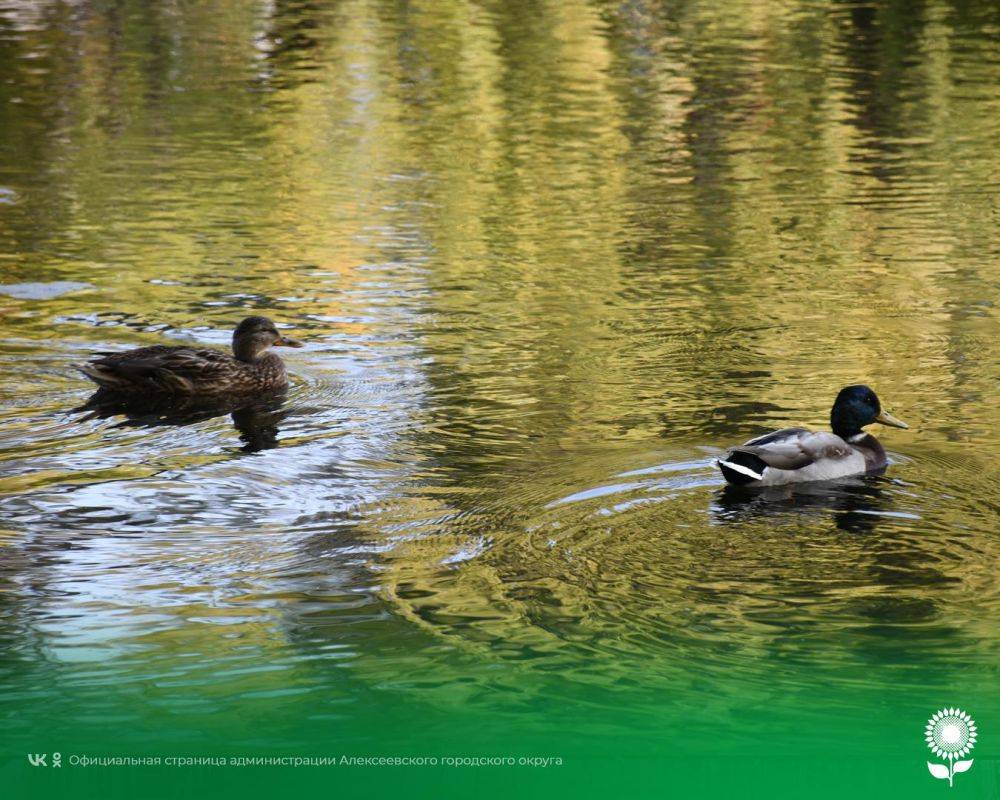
x: 37, y: 759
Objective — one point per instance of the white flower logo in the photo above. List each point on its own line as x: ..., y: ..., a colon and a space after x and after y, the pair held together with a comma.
x: 951, y: 734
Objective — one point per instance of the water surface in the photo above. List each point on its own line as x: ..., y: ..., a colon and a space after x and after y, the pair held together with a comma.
x: 548, y: 259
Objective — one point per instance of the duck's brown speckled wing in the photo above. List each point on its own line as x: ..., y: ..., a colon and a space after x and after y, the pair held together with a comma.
x: 162, y: 368
x: 114, y: 356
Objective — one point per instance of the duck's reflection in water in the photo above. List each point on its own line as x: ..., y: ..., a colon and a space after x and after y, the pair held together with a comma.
x: 257, y: 419
x: 883, y: 587
x: 857, y: 504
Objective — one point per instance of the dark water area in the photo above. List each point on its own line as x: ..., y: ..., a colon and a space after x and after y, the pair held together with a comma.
x: 549, y: 260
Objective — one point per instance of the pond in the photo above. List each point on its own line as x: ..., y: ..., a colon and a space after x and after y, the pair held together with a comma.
x: 548, y: 259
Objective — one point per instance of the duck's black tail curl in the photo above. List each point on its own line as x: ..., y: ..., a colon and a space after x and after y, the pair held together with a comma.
x: 741, y: 468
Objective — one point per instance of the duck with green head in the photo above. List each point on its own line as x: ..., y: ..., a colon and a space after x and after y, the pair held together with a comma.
x: 794, y: 455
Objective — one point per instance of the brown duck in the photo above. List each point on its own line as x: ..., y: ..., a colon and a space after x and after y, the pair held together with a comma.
x: 188, y: 372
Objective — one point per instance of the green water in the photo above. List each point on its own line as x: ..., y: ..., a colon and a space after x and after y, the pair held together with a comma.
x: 548, y: 258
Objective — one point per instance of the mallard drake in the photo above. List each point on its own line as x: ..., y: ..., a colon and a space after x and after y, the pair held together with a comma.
x: 188, y: 371
x: 792, y: 455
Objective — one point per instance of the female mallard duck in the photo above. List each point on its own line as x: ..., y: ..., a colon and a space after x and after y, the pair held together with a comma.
x: 186, y: 371
x: 793, y: 455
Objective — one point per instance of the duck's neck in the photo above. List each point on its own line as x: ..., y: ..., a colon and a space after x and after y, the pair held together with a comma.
x: 249, y: 351
x: 845, y: 432
x: 269, y: 362
x: 845, y: 421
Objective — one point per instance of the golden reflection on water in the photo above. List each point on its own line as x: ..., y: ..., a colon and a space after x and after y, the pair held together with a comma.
x: 534, y: 248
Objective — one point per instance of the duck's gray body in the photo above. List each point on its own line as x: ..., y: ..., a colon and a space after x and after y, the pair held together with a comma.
x: 795, y: 455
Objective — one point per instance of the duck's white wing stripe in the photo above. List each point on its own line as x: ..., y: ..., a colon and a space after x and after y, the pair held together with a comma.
x: 743, y: 470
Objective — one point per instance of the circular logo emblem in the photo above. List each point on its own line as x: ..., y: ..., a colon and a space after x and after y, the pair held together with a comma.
x: 950, y: 734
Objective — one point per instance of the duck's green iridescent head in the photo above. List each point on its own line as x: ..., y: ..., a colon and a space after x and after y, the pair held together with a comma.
x: 857, y: 406
x: 254, y: 335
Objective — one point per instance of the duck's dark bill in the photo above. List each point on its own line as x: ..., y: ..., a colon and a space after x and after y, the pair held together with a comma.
x: 888, y: 419
x: 288, y: 341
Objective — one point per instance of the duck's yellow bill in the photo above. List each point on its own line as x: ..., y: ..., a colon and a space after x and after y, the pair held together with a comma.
x: 888, y: 419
